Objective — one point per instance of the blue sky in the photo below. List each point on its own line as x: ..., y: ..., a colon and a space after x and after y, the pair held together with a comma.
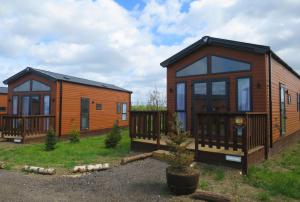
x: 122, y: 42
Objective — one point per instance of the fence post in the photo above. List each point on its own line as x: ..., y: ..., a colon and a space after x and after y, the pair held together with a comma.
x: 158, y: 129
x: 197, y: 137
x: 245, y: 147
x: 23, y: 130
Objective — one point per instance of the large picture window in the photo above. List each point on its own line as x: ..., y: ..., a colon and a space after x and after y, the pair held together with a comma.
x: 244, y: 94
x: 32, y: 85
x: 197, y: 68
x: 180, y: 103
x: 15, y: 105
x: 223, y: 65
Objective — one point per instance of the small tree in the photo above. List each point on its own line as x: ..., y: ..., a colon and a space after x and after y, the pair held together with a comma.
x: 114, y: 137
x: 156, y: 100
x: 74, y: 135
x: 51, y: 140
x: 180, y: 158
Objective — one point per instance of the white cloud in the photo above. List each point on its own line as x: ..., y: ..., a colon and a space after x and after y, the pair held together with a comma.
x: 103, y: 41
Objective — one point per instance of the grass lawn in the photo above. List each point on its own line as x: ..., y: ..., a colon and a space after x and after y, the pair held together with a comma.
x: 66, y: 155
x: 277, y: 179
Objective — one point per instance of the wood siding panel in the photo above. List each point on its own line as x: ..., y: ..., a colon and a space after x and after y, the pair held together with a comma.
x: 3, y: 102
x: 281, y: 75
x: 258, y: 75
x: 99, y: 119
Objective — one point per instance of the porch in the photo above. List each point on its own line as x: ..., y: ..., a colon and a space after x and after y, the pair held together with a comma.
x: 20, y: 128
x: 234, y: 139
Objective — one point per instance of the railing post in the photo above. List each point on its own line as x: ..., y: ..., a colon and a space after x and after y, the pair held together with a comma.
x: 245, y: 147
x: 23, y: 130
x: 158, y: 130
x: 197, y: 137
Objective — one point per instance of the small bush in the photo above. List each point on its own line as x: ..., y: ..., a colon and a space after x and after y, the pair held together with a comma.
x: 114, y: 137
x: 263, y: 196
x: 51, y: 140
x: 74, y: 136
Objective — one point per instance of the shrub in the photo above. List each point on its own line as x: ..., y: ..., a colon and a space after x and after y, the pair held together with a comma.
x: 74, y: 136
x: 180, y: 158
x: 51, y: 140
x: 114, y: 137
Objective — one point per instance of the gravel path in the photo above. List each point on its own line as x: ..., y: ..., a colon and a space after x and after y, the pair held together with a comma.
x: 138, y: 181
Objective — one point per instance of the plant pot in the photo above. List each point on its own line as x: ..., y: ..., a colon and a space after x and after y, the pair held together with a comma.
x: 182, y: 183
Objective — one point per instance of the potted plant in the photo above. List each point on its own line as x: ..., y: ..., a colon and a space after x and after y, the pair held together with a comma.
x: 182, y: 178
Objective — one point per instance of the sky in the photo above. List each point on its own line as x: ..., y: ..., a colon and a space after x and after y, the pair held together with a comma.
x: 122, y: 42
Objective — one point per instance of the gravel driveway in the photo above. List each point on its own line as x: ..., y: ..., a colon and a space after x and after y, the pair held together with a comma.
x: 138, y: 181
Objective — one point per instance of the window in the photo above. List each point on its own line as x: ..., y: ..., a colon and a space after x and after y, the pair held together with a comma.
x: 2, y: 109
x: 38, y: 86
x: 124, y: 112
x: 243, y: 94
x: 180, y: 104
x: 24, y: 87
x: 15, y: 105
x: 119, y: 107
x: 35, y: 105
x: 282, y: 109
x: 98, y: 106
x: 25, y: 105
x: 218, y: 88
x: 46, y: 105
x: 197, y: 68
x: 35, y: 86
x: 200, y: 88
x: 222, y: 65
x: 85, y: 113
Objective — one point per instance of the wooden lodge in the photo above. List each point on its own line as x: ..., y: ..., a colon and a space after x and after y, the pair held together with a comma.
x: 38, y: 100
x: 240, y: 101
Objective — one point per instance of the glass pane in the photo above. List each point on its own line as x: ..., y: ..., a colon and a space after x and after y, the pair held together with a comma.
x: 118, y: 108
x: 182, y: 119
x: 25, y: 106
x: 84, y: 122
x: 219, y: 88
x: 23, y: 87
x: 180, y: 96
x: 35, y: 105
x: 46, y: 105
x: 197, y: 68
x: 220, y: 65
x: 200, y: 88
x: 15, y: 105
x: 124, y: 109
x: 124, y: 117
x: 38, y: 86
x: 244, y: 94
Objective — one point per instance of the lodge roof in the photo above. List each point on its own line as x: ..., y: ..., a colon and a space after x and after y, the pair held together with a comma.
x: 63, y: 77
x: 242, y: 46
x: 3, y: 90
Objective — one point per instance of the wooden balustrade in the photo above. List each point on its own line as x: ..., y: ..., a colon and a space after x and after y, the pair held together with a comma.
x: 220, y: 130
x: 148, y: 124
x: 26, y: 126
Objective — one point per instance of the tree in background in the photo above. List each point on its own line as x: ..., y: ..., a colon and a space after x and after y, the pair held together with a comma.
x: 156, y: 101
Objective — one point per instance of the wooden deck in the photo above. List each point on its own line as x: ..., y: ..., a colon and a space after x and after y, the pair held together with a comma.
x: 237, y: 139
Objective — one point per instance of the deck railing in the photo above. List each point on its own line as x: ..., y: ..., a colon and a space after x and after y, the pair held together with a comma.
x: 148, y: 124
x: 26, y: 126
x: 221, y: 130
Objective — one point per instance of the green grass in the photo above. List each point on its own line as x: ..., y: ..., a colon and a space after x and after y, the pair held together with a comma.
x: 203, y: 185
x: 217, y: 173
x: 66, y: 155
x: 279, y: 176
x: 263, y: 196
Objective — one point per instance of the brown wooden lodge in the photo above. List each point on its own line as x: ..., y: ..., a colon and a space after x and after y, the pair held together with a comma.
x: 38, y: 100
x: 240, y: 101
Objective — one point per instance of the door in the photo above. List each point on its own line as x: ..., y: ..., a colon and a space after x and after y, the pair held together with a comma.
x: 209, y: 96
x: 84, y: 115
x: 282, y: 109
